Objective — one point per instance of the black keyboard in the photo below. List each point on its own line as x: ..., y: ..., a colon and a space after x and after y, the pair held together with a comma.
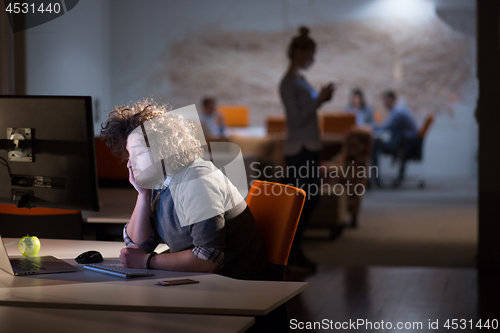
x: 25, y: 265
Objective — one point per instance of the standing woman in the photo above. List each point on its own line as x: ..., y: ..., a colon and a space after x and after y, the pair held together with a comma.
x: 302, y: 144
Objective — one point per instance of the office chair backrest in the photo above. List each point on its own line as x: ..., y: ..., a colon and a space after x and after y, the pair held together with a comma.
x: 428, y: 121
x: 234, y: 115
x: 338, y: 123
x: 108, y: 165
x: 377, y: 117
x: 37, y: 211
x: 276, y: 124
x: 276, y: 208
x: 414, y: 147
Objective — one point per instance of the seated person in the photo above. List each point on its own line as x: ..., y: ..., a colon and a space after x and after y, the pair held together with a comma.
x: 359, y: 108
x: 400, y: 125
x: 212, y: 121
x: 172, y: 204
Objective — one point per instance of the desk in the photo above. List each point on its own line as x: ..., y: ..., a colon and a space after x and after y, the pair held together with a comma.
x: 84, y: 321
x: 250, y: 131
x: 116, y: 206
x: 269, y: 148
x: 87, y: 290
x: 116, y: 214
x: 70, y: 249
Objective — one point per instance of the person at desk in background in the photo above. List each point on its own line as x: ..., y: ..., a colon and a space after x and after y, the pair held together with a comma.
x: 302, y: 144
x: 227, y: 243
x: 401, y: 127
x: 359, y: 108
x: 212, y: 122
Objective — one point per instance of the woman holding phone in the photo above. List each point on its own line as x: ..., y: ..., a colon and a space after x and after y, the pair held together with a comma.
x: 302, y: 144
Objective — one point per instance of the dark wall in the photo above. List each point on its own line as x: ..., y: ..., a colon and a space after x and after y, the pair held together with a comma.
x: 488, y: 114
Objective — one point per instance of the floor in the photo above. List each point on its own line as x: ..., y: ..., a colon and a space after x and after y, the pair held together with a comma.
x: 409, y: 295
x: 434, y: 227
x: 411, y: 260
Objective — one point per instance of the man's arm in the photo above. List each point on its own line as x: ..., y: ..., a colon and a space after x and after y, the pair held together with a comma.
x: 183, y: 261
x: 139, y: 228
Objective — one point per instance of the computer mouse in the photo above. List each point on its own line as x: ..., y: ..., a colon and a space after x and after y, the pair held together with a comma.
x: 89, y: 257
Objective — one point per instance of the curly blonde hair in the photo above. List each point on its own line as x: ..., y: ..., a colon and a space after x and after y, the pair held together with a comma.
x: 171, y: 136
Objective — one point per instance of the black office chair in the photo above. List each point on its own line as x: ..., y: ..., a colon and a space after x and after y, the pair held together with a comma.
x: 411, y: 150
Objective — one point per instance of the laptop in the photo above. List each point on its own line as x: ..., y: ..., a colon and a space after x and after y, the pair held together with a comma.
x: 32, y: 265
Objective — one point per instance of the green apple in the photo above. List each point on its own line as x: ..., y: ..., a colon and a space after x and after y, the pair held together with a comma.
x: 29, y: 246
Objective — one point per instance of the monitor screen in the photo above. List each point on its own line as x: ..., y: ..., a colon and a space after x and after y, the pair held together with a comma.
x: 47, y: 153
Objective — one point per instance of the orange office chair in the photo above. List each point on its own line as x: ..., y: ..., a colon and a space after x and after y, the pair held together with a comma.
x: 40, y: 222
x: 427, y: 123
x: 234, y: 115
x: 377, y: 117
x: 412, y: 150
x: 277, y: 226
x: 338, y: 123
x: 111, y: 171
x: 276, y: 124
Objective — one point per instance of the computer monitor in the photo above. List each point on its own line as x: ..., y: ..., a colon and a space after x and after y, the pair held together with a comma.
x: 47, y: 152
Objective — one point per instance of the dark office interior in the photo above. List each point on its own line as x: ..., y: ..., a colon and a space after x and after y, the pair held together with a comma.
x: 416, y: 243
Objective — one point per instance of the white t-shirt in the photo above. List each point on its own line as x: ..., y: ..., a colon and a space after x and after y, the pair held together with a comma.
x: 202, y: 191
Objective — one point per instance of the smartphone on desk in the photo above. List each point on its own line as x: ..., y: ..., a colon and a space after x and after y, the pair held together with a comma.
x: 176, y: 282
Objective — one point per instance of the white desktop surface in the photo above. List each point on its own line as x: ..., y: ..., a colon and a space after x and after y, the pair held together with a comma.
x: 215, y: 294
x: 13, y: 319
x: 250, y: 131
x: 70, y: 249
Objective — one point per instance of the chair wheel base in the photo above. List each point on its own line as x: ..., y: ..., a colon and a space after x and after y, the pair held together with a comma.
x: 353, y: 224
x: 336, y: 232
x: 420, y: 181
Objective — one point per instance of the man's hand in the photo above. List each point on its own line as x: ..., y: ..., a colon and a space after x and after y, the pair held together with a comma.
x: 132, y: 181
x: 133, y: 257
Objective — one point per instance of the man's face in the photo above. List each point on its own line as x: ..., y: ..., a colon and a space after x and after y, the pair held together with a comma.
x: 139, y: 157
x: 388, y: 102
x: 147, y: 173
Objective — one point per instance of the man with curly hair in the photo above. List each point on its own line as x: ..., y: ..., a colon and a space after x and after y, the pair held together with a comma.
x: 182, y: 199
